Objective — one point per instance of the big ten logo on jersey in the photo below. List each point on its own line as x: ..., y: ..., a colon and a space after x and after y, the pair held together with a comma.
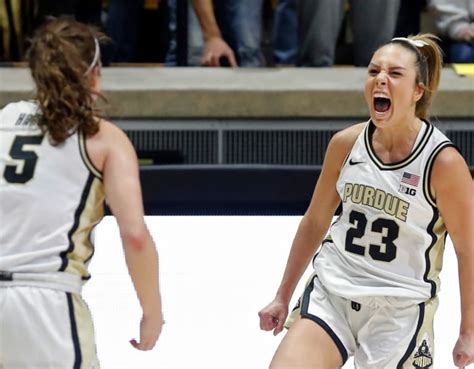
x: 26, y: 120
x: 407, y: 190
x: 423, y: 358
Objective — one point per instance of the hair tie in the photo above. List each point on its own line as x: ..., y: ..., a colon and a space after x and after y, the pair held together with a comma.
x: 96, y: 57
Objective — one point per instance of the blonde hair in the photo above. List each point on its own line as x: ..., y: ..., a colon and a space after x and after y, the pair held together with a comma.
x: 429, y: 62
x: 61, y: 52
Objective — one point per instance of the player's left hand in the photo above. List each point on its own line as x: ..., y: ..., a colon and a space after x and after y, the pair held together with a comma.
x: 463, y: 353
x: 150, y: 329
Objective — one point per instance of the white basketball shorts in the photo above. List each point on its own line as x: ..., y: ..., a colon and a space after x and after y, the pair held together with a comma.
x: 378, y: 334
x: 43, y: 328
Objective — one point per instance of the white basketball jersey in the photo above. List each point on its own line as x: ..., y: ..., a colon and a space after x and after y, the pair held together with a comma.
x: 389, y: 239
x: 51, y: 197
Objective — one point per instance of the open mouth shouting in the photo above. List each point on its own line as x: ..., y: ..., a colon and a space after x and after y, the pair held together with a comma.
x: 382, y: 105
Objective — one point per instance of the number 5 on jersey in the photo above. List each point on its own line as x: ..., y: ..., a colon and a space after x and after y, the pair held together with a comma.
x: 22, y: 172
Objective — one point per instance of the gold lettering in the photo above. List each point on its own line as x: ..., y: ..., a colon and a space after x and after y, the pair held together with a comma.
x: 379, y: 199
x: 391, y: 204
x: 357, y: 193
x: 369, y: 196
x: 347, y: 191
x: 402, y: 210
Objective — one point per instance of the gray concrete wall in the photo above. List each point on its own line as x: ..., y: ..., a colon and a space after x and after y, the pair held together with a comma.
x: 242, y: 93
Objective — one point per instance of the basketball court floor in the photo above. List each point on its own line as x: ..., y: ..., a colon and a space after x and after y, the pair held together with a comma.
x: 216, y: 274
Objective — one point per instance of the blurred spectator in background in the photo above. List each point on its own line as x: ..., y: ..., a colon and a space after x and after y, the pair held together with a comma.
x: 409, y: 17
x: 17, y: 20
x: 455, y: 20
x: 122, y: 27
x: 240, y: 22
x: 213, y: 48
x: 373, y: 24
x: 9, y: 29
x: 226, y: 32
x: 138, y: 30
x: 285, y: 32
x: 85, y: 11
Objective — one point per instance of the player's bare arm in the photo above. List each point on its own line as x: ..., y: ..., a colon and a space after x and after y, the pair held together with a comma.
x: 454, y: 196
x: 123, y: 194
x: 312, y: 229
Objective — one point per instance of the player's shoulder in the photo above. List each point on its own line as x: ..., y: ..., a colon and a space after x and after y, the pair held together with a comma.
x: 110, y: 131
x: 344, y: 140
x: 447, y: 157
x: 112, y: 136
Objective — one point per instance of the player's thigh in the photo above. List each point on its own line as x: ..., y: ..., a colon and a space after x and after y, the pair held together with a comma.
x: 306, y: 346
x: 54, y: 327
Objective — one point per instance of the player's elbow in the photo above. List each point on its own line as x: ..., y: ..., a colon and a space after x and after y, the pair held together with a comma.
x: 136, y: 239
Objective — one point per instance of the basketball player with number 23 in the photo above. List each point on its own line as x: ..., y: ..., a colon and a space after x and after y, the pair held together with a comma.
x: 403, y: 186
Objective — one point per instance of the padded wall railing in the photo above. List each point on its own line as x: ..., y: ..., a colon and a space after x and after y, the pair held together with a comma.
x: 242, y: 167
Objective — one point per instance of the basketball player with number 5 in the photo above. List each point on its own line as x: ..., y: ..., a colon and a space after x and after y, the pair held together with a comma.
x: 59, y: 162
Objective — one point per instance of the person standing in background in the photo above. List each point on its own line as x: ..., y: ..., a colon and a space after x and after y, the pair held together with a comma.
x: 285, y: 33
x: 224, y: 32
x: 455, y: 20
x: 373, y: 24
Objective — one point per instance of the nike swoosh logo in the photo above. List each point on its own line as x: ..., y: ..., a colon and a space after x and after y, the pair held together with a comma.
x: 351, y: 162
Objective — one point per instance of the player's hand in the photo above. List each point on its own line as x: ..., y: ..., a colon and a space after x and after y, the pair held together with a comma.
x: 273, y: 316
x: 466, y: 33
x: 150, y: 330
x: 463, y: 353
x: 215, y: 49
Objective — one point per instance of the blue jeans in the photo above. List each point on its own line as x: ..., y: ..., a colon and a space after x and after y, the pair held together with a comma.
x: 240, y: 22
x: 285, y: 32
x: 461, y: 52
x: 195, y: 40
x: 170, y: 59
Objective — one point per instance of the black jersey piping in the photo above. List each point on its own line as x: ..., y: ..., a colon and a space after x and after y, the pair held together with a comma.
x: 320, y: 322
x: 75, y: 225
x: 74, y: 334
x: 392, y: 166
x: 412, y: 344
x: 429, y: 168
x: 434, y: 239
x: 432, y: 202
x: 86, y: 158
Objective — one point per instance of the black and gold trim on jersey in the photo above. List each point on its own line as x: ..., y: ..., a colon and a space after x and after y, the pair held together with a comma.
x: 74, y: 334
x: 434, y: 252
x: 85, y: 156
x: 88, y: 214
x: 420, y: 351
x: 428, y: 169
x: 369, y: 130
x: 436, y: 228
x: 305, y: 314
x: 82, y: 333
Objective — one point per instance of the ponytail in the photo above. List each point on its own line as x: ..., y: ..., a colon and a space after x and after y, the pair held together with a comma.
x: 60, y: 54
x: 429, y: 61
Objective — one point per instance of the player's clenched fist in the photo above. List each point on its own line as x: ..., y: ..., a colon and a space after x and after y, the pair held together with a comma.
x: 463, y: 353
x: 273, y: 316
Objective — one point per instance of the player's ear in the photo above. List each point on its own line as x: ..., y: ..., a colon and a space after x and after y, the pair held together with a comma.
x: 419, y: 91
